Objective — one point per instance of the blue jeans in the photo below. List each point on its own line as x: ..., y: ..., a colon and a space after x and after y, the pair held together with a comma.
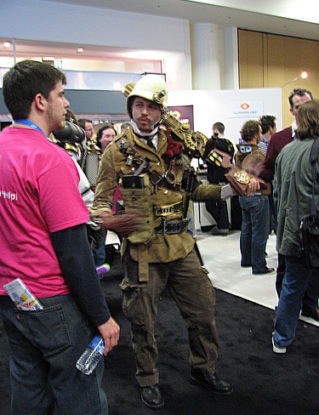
x: 294, y: 285
x: 45, y: 346
x: 254, y: 231
x: 310, y: 298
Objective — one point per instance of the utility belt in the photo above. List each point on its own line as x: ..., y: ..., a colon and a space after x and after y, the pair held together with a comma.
x: 168, y: 209
x: 172, y: 226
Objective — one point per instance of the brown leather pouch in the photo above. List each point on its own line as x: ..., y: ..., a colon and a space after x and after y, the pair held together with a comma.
x: 236, y: 177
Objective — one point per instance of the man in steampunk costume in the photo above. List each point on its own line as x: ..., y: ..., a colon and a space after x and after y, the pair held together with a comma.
x: 151, y: 162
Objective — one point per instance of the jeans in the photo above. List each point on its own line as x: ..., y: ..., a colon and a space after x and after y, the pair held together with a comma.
x: 294, y: 285
x: 45, y: 346
x: 310, y: 297
x: 254, y: 231
x: 99, y: 251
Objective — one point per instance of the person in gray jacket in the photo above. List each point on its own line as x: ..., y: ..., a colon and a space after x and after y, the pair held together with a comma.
x: 293, y: 186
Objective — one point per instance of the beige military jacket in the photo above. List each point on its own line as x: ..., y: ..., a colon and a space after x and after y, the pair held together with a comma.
x: 161, y: 201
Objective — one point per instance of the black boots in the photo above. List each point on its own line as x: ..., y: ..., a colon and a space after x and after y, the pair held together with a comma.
x: 211, y: 382
x: 151, y: 396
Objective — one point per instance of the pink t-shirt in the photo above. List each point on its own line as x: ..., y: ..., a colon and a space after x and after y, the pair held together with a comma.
x: 38, y: 195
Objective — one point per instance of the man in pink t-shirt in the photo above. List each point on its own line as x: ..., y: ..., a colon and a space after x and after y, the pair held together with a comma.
x: 43, y: 241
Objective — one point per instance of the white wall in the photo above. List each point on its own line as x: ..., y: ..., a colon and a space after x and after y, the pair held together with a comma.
x: 54, y: 21
x: 51, y: 21
x: 227, y: 106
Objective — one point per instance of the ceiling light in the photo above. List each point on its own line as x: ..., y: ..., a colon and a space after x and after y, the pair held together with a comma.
x: 117, y: 86
x: 80, y: 50
x: 6, y: 45
x: 303, y: 75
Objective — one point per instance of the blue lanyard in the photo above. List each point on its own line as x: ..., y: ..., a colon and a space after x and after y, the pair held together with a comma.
x: 30, y: 124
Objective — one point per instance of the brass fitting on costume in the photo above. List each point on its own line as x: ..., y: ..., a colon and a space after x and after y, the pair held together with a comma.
x: 194, y: 141
x: 242, y: 176
x: 92, y: 148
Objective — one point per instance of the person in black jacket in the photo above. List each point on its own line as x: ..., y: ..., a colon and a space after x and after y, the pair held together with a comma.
x: 216, y: 175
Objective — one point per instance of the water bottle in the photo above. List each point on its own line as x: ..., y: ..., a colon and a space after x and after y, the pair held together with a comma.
x: 92, y: 356
x: 102, y: 270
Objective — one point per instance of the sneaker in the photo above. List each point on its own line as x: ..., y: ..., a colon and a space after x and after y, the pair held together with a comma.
x: 277, y: 349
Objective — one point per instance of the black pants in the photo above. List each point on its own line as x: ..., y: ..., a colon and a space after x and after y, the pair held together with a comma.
x: 218, y: 210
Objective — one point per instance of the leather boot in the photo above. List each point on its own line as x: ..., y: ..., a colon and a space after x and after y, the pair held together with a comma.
x: 151, y: 396
x: 211, y: 382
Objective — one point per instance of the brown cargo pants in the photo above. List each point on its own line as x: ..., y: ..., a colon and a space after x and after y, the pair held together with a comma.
x: 190, y: 287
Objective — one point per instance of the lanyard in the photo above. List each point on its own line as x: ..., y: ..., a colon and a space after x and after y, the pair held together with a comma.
x: 29, y: 124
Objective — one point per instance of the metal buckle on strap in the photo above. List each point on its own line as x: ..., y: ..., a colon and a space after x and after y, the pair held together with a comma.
x: 171, y: 227
x: 168, y: 209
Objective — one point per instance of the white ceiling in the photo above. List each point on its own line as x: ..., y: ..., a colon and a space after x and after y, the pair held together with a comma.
x: 291, y: 18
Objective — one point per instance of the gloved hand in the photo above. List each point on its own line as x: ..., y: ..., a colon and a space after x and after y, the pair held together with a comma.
x: 123, y: 224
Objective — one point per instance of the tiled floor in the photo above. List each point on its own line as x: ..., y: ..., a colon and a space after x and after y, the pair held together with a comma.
x: 221, y: 257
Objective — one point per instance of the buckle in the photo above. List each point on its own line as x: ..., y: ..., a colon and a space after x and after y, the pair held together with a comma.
x: 168, y: 209
x: 173, y: 226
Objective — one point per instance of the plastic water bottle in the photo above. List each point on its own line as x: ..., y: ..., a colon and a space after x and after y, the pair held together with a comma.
x: 102, y: 270
x: 92, y: 356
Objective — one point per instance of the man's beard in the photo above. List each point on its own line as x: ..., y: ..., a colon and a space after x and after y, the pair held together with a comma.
x: 144, y: 131
x: 142, y: 128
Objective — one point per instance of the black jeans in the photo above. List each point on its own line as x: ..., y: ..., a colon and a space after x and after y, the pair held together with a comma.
x: 218, y: 210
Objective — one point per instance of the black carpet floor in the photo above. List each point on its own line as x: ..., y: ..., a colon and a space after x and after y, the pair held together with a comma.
x: 264, y: 383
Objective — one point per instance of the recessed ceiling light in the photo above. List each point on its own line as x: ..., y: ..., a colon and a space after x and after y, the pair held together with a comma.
x: 117, y: 86
x: 80, y: 50
x: 6, y: 45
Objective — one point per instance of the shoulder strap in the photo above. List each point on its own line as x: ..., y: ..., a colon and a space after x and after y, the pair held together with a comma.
x: 314, y: 153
